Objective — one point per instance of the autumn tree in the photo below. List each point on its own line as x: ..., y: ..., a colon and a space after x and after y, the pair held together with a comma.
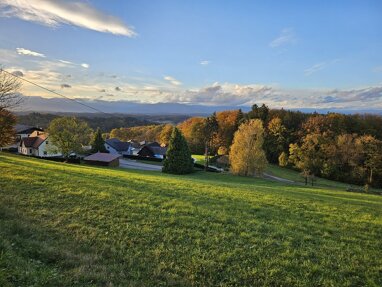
x: 247, y: 156
x: 275, y: 140
x: 98, y: 143
x: 7, y: 132
x: 139, y: 133
x: 69, y: 135
x: 283, y: 159
x: 193, y: 131
x: 178, y: 157
x: 227, y: 126
x: 165, y: 134
x: 9, y: 98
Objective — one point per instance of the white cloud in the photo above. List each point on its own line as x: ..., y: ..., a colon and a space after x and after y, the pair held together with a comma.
x: 314, y: 68
x: 286, y: 36
x: 65, y: 62
x: 172, y: 80
x: 84, y: 65
x: 377, y: 69
x: 320, y: 66
x: 22, y: 51
x: 54, y: 13
x: 205, y: 63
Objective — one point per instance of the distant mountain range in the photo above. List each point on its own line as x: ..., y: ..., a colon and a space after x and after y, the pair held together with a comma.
x: 40, y: 104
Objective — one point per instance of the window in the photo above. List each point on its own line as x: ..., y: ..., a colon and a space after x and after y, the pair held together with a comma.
x: 46, y: 142
x: 45, y: 153
x: 30, y: 150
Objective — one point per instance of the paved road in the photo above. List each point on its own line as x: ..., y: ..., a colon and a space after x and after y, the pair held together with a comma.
x: 132, y: 164
x: 266, y: 175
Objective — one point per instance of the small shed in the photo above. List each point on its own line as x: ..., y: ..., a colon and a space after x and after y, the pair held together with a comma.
x: 103, y: 159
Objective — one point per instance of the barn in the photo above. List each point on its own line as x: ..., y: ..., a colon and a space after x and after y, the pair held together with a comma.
x: 103, y: 159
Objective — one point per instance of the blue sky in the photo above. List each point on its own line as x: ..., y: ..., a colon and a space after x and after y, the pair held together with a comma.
x: 292, y: 54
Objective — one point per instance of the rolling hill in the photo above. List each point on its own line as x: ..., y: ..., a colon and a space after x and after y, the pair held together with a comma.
x: 76, y: 225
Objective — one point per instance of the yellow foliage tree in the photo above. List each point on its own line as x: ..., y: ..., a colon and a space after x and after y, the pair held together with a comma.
x: 247, y: 156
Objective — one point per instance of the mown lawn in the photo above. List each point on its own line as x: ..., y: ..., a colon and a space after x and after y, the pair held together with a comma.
x: 70, y: 225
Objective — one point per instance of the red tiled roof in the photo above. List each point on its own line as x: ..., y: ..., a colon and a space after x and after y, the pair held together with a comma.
x: 34, y: 142
x: 101, y: 156
x: 29, y: 142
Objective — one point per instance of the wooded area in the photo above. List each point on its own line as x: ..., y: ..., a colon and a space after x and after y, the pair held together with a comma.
x: 341, y: 147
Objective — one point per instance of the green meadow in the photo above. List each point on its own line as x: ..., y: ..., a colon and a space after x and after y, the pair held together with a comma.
x: 77, y: 225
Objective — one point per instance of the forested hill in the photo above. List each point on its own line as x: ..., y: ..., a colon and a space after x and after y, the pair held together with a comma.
x: 105, y: 123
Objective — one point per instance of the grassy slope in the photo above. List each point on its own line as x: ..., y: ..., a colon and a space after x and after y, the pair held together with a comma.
x: 320, y: 182
x: 64, y: 225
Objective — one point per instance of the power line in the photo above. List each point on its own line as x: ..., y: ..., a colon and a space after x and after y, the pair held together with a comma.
x: 54, y: 92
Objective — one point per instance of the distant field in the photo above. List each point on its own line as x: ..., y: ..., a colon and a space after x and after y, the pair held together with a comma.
x: 71, y: 225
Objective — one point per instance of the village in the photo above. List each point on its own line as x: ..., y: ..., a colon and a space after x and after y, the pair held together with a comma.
x: 34, y: 142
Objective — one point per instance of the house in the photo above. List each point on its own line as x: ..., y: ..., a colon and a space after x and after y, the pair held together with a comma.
x: 37, y: 144
x: 135, y: 146
x: 22, y: 131
x: 153, y: 151
x: 115, y: 146
x: 103, y: 159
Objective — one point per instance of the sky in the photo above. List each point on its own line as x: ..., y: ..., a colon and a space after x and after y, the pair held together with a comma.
x: 290, y: 54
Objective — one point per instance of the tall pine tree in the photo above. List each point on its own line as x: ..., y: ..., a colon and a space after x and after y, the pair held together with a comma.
x: 97, y: 143
x: 178, y: 157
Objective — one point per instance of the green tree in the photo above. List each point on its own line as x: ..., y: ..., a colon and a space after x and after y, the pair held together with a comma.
x: 370, y: 151
x: 178, y: 157
x: 68, y: 135
x: 259, y: 112
x: 7, y: 123
x: 211, y: 129
x: 98, y: 143
x: 247, y: 156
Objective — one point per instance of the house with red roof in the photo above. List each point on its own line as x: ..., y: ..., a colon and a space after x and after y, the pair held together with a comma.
x: 37, y: 144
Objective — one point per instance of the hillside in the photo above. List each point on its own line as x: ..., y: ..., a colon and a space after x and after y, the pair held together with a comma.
x: 71, y: 225
x: 105, y: 123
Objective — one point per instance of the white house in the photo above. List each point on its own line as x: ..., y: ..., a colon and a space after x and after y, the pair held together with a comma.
x: 37, y: 144
x: 115, y: 146
x: 22, y: 131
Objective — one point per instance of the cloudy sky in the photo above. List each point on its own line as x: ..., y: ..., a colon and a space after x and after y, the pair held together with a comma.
x: 291, y: 54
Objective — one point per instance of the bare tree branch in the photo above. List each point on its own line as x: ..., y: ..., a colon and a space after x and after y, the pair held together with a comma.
x: 9, y: 91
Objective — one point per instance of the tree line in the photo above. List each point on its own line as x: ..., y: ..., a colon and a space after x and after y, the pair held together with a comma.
x: 335, y: 146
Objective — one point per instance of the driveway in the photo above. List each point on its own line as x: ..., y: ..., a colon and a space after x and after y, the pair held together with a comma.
x: 132, y: 164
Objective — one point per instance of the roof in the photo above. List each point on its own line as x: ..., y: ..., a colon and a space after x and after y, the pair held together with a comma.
x: 24, y: 129
x: 102, y: 156
x: 134, y: 144
x: 34, y: 142
x: 152, y: 144
x: 117, y: 144
x: 156, y: 150
x: 28, y: 142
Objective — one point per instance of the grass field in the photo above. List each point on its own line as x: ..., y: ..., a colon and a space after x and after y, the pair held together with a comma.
x: 76, y: 225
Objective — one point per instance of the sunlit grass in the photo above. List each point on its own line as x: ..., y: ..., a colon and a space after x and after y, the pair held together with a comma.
x: 71, y: 225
